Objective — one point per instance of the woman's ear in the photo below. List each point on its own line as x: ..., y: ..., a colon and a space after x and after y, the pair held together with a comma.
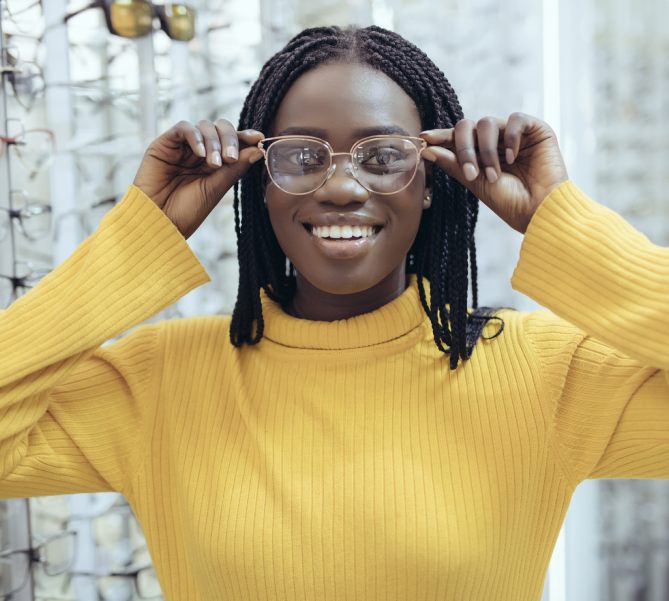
x: 427, y: 200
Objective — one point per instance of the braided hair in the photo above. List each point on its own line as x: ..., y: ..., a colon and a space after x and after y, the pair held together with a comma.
x: 445, y: 236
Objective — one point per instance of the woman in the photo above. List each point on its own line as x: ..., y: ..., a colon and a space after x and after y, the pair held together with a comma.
x: 316, y: 444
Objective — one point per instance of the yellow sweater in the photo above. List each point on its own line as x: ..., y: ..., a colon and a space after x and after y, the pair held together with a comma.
x: 340, y: 460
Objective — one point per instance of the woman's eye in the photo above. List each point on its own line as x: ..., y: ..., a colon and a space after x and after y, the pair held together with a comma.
x: 382, y: 156
x: 305, y: 158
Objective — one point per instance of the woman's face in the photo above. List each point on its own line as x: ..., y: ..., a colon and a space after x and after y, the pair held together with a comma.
x: 342, y: 103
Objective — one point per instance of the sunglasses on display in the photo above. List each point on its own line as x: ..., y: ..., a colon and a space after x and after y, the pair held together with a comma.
x: 383, y: 164
x: 135, y: 18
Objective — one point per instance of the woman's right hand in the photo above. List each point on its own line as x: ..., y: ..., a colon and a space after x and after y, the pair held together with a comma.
x: 187, y: 170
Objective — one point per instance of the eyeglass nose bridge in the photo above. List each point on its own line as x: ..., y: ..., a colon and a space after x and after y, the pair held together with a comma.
x: 333, y: 166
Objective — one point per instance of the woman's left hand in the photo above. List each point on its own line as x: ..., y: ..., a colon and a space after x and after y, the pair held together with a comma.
x: 511, y: 165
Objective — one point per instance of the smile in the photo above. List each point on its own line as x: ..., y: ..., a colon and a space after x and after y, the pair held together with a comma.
x: 344, y: 248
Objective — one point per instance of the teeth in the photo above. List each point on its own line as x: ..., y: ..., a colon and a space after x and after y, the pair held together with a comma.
x: 345, y: 231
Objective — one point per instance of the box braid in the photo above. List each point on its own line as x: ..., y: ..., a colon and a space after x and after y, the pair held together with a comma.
x: 445, y: 236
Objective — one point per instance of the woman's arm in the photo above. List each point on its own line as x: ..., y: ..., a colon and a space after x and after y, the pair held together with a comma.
x: 71, y: 412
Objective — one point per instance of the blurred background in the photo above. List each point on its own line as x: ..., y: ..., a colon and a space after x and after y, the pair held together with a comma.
x: 81, y: 102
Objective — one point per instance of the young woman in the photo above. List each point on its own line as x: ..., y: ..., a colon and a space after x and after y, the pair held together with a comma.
x: 353, y: 430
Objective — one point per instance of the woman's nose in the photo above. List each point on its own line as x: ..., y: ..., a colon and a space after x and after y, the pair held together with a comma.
x: 341, y: 185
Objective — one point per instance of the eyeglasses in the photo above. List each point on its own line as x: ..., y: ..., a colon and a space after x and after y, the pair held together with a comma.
x: 112, y: 585
x: 383, y: 164
x: 34, y: 147
x: 22, y: 14
x: 10, y: 285
x: 25, y: 77
x: 33, y: 218
x: 55, y: 553
x: 134, y: 18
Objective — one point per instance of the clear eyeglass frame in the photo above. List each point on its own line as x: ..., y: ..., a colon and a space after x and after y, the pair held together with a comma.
x: 35, y: 147
x: 331, y: 153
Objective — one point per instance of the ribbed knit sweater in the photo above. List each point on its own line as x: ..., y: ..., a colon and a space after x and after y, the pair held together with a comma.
x: 340, y: 460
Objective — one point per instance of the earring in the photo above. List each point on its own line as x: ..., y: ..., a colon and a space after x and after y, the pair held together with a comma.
x: 427, y: 201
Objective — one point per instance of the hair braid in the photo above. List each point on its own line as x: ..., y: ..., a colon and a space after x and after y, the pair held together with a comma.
x: 444, y: 245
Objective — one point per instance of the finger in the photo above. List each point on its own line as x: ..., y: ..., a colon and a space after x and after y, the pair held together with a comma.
x: 487, y: 134
x: 446, y: 160
x: 249, y: 137
x: 513, y: 132
x: 212, y: 143
x: 227, y: 134
x: 184, y: 131
x: 438, y: 136
x: 248, y: 145
x: 465, y: 148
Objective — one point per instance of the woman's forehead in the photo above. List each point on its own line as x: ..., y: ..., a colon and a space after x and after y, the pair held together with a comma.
x: 345, y: 98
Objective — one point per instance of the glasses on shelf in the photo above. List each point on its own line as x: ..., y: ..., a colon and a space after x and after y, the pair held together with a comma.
x: 134, y: 18
x: 33, y: 218
x: 383, y: 164
x: 34, y: 147
x: 112, y: 584
x: 25, y: 78
x: 89, y: 217
x: 55, y: 553
x: 24, y: 15
x: 10, y: 285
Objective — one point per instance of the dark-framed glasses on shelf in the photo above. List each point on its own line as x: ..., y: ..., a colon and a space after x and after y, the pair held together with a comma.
x: 111, y: 585
x: 12, y: 287
x: 26, y: 80
x: 32, y: 217
x: 55, y: 553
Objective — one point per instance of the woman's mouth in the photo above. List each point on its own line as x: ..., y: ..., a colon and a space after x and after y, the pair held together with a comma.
x: 342, y: 247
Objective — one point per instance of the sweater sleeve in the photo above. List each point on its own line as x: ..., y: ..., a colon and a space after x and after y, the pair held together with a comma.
x: 73, y: 413
x: 603, y: 339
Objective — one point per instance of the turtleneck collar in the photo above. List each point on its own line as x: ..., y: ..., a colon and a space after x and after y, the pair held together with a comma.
x: 390, y: 321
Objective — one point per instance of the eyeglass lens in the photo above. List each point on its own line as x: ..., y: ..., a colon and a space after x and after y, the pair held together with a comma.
x: 131, y: 20
x: 300, y: 165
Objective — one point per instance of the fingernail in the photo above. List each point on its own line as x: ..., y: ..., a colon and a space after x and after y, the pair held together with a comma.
x: 470, y: 171
x: 491, y: 174
x: 216, y: 158
x: 427, y: 132
x: 429, y: 155
x: 231, y: 152
x: 509, y: 156
x: 201, y: 150
x: 256, y: 156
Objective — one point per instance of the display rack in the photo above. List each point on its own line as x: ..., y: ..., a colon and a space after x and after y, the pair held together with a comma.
x: 15, y: 532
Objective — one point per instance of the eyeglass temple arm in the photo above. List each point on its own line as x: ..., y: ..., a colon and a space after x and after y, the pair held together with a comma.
x: 93, y: 4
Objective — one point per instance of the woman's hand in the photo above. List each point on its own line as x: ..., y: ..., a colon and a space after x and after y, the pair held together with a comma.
x: 511, y: 165
x: 187, y: 170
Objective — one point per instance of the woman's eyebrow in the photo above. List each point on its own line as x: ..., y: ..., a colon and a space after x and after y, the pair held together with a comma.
x: 361, y: 132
